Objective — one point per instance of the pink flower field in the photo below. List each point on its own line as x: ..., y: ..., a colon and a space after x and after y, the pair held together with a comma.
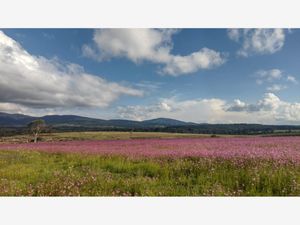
x: 281, y: 149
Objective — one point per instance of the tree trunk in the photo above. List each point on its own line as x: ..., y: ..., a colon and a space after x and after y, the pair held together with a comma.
x: 35, y: 138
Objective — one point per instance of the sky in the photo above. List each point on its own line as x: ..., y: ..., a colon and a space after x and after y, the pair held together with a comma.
x: 196, y: 75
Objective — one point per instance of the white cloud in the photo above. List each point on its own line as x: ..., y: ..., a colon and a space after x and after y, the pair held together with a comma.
x: 258, y: 41
x: 270, y: 75
x: 152, y: 45
x: 234, y: 34
x: 135, y: 44
x: 268, y: 110
x: 237, y: 106
x: 292, y: 79
x: 203, y: 59
x: 12, y: 108
x: 274, y: 75
x: 276, y: 88
x: 268, y: 103
x: 36, y: 82
x: 141, y: 112
x: 197, y: 110
x: 272, y: 108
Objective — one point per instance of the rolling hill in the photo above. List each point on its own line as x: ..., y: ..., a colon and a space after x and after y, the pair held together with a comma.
x: 16, y: 123
x: 20, y: 120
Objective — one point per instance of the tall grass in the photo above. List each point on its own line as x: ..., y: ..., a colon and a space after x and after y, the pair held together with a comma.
x: 46, y: 174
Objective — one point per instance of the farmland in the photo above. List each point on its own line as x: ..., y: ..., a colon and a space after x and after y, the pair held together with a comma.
x: 149, y: 164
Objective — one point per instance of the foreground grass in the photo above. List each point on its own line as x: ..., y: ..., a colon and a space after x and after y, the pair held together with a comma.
x: 43, y: 174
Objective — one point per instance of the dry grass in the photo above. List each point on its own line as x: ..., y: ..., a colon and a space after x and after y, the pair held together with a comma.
x: 102, y: 135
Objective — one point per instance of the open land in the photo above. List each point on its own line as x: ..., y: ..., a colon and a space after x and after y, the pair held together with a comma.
x: 149, y: 164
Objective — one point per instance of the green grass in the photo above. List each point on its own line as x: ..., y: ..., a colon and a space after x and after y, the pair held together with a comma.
x: 101, y: 135
x: 46, y: 174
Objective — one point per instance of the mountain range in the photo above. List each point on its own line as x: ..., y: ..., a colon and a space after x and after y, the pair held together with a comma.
x: 20, y: 120
x: 17, y: 123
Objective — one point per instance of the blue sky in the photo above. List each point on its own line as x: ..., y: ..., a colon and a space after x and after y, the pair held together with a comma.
x: 200, y: 75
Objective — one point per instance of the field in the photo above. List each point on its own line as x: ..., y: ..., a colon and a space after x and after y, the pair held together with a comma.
x: 112, y: 135
x: 149, y: 164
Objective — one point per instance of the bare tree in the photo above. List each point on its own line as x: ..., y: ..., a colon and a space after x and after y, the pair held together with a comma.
x: 36, y: 127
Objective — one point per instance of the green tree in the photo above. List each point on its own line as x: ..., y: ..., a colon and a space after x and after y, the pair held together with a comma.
x: 36, y: 127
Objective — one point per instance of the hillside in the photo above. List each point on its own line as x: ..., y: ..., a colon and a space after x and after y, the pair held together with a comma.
x: 20, y: 120
x: 16, y: 123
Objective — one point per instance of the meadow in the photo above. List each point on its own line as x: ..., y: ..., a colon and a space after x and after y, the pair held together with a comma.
x: 101, y: 135
x: 150, y: 165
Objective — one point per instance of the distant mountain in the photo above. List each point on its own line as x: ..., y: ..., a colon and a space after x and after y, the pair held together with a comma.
x: 166, y: 122
x: 14, y: 119
x: 20, y: 120
x: 13, y: 123
x: 71, y: 120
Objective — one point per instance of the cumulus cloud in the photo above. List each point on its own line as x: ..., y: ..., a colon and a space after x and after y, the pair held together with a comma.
x: 238, y: 106
x: 257, y: 41
x: 274, y: 75
x: 272, y: 107
x: 268, y: 110
x: 270, y: 75
x: 143, y: 112
x: 152, y: 45
x: 203, y: 59
x: 197, y: 110
x: 36, y: 82
x: 268, y: 103
x: 135, y: 44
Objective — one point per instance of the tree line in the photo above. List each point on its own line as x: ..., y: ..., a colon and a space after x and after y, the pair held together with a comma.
x: 38, y: 126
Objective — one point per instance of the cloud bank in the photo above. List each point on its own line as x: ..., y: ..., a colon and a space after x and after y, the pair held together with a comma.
x: 268, y: 110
